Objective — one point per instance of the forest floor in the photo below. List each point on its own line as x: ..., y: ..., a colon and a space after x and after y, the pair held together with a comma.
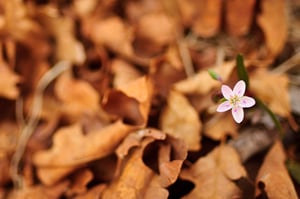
x: 132, y: 99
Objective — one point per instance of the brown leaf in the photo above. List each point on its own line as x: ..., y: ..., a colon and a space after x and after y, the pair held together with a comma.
x: 272, y: 89
x: 153, y: 32
x: 213, y: 175
x: 40, y: 192
x: 202, y: 82
x: 8, y: 81
x: 79, y: 182
x: 111, y: 32
x: 136, y: 9
x: 131, y: 101
x: 181, y: 120
x: 274, y: 16
x: 273, y: 178
x: 165, y: 71
x: 58, y: 161
x: 94, y: 192
x: 208, y: 18
x: 146, y: 183
x: 239, y: 15
x: 62, y: 28
x: 4, y: 168
x: 77, y: 96
x: 123, y: 72
x: 8, y: 137
x: 219, y: 126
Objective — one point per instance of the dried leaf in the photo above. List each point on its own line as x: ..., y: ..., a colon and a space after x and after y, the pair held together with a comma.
x: 123, y: 72
x: 275, y: 96
x: 202, y: 83
x: 63, y: 30
x: 153, y: 32
x: 239, y: 16
x: 8, y: 137
x: 4, y: 168
x: 213, y: 175
x: 181, y: 120
x: 164, y: 74
x: 94, y: 192
x: 274, y: 16
x: 111, y: 32
x: 58, y: 161
x: 208, y: 20
x: 77, y: 96
x: 135, y: 98
x: 146, y: 183
x: 40, y: 192
x: 273, y: 178
x: 219, y: 126
x: 79, y: 182
x: 8, y: 81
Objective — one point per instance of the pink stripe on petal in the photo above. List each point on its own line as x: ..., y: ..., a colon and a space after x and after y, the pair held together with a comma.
x: 239, y: 88
x: 225, y: 106
x: 226, y: 91
x: 246, y: 102
x: 238, y: 114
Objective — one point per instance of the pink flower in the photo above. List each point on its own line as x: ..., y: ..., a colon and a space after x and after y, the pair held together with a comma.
x: 236, y: 100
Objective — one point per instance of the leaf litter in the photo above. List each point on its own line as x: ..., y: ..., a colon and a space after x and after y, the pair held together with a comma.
x: 115, y: 99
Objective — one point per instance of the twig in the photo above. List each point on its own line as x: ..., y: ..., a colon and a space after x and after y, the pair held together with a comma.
x: 29, y: 127
x: 288, y: 64
x: 185, y: 57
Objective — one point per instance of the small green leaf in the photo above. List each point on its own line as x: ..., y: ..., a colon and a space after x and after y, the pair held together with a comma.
x: 214, y: 75
x: 272, y: 115
x: 294, y: 169
x: 241, y: 69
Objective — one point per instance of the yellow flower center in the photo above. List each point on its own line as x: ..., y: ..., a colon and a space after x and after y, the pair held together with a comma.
x: 234, y: 100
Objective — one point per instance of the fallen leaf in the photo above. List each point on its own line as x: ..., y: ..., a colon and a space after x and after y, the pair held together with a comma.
x: 274, y: 95
x: 4, y: 167
x: 136, y: 9
x: 8, y: 82
x: 153, y: 32
x: 220, y: 126
x: 53, y: 164
x: 273, y: 16
x: 123, y: 72
x: 77, y: 96
x: 146, y: 183
x: 181, y: 120
x: 213, y: 175
x: 135, y: 98
x: 79, y: 182
x: 94, y: 192
x: 202, y: 83
x: 273, y: 178
x: 164, y: 75
x: 239, y: 16
x: 111, y: 32
x: 40, y: 191
x: 62, y: 28
x: 9, y: 132
x: 208, y: 18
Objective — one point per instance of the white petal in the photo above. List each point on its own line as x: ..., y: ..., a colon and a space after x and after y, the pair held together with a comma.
x: 226, y: 91
x: 225, y: 106
x: 240, y: 88
x: 246, y: 102
x: 238, y: 114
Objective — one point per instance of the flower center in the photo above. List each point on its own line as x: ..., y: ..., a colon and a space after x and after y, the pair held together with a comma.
x: 234, y: 100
